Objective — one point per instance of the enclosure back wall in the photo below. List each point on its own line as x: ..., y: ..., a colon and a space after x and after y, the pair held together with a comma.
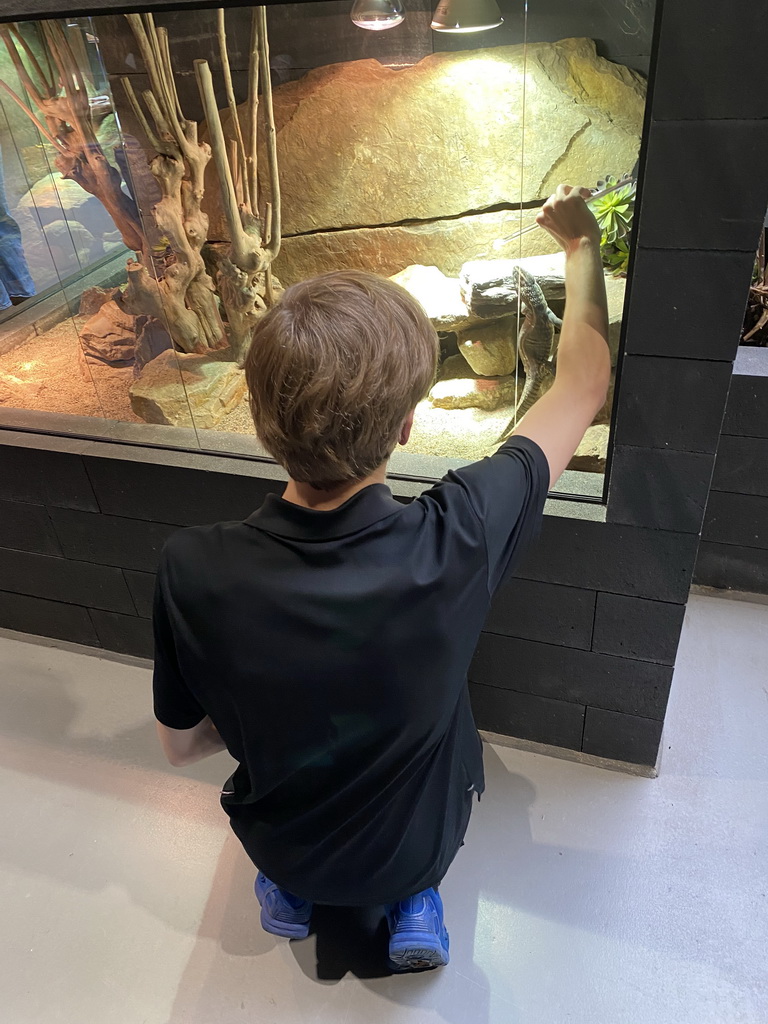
x: 578, y: 650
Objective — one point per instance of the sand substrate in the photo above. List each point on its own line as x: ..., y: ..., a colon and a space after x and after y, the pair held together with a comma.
x: 44, y: 374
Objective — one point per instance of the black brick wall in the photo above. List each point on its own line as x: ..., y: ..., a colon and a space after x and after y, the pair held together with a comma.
x: 74, y: 569
x: 734, y: 549
x: 578, y: 650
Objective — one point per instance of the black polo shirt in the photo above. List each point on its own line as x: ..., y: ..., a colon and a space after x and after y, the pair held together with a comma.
x: 331, y: 651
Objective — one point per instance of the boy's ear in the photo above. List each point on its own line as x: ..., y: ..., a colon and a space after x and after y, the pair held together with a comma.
x: 405, y: 430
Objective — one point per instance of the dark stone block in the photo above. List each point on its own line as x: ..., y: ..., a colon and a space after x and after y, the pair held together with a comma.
x: 126, y: 634
x: 169, y: 494
x: 142, y: 588
x: 528, y: 717
x: 695, y: 73
x: 730, y: 567
x: 745, y: 413
x: 582, y: 677
x: 622, y: 737
x: 111, y: 540
x: 632, y: 627
x: 61, y: 579
x: 671, y: 403
x: 704, y: 185
x: 543, y: 611
x: 742, y: 465
x: 607, y: 556
x: 659, y: 488
x: 47, y: 618
x: 687, y: 304
x: 47, y: 478
x: 736, y: 519
x: 27, y: 527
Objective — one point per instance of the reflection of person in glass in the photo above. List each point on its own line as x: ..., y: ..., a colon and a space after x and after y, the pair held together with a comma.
x: 15, y: 281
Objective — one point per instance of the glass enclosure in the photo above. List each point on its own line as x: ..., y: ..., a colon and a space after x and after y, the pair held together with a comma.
x: 164, y: 178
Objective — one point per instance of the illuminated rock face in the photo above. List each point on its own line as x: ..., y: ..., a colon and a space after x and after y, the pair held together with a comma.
x: 446, y: 243
x: 459, y: 387
x: 365, y: 148
x: 187, y: 390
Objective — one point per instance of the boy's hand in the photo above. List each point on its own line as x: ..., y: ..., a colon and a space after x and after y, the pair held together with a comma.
x: 568, y: 219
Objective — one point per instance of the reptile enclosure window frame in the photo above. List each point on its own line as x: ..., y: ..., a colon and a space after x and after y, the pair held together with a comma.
x: 588, y: 496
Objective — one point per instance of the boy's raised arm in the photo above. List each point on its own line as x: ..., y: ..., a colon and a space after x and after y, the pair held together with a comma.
x: 557, y: 422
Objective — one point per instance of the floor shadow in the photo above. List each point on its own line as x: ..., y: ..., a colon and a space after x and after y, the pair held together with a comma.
x: 348, y: 940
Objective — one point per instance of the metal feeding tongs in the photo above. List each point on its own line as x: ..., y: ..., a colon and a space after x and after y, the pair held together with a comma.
x: 597, y: 193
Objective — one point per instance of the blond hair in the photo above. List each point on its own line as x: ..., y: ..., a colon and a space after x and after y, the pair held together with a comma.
x: 333, y: 370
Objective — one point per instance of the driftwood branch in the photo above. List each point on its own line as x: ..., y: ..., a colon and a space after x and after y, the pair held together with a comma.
x: 243, y: 275
x: 238, y: 164
x: 273, y: 247
x: 133, y: 101
x: 245, y: 249
x: 252, y: 157
x: 166, y: 52
x: 185, y: 298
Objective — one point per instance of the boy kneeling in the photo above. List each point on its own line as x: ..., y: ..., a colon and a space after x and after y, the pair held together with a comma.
x: 325, y: 641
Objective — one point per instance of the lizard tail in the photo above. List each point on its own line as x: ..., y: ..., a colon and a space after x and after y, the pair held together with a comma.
x: 535, y: 386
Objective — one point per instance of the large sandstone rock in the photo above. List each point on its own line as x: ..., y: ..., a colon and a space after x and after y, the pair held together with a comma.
x: 446, y: 244
x: 592, y: 453
x: 186, y: 390
x: 489, y: 286
x: 489, y: 289
x: 460, y: 388
x: 362, y: 144
x: 490, y: 349
x: 110, y: 335
x: 440, y: 296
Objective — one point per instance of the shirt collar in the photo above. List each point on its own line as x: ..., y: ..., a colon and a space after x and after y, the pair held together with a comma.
x: 285, y: 519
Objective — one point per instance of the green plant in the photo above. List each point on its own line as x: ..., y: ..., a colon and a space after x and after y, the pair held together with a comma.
x: 614, y: 213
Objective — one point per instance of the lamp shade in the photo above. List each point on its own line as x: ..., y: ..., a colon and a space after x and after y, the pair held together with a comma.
x: 466, y: 16
x: 377, y: 15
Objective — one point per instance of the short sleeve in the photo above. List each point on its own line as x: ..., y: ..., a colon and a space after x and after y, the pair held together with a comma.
x: 506, y: 492
x: 174, y: 704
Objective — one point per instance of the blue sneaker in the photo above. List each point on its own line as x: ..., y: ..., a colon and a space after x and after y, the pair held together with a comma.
x: 282, y: 913
x: 418, y: 936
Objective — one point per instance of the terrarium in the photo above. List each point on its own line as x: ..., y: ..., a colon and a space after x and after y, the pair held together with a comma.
x: 166, y: 176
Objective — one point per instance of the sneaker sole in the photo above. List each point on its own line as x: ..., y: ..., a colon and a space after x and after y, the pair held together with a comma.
x: 410, y: 954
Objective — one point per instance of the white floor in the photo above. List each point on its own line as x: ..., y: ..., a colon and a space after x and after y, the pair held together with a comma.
x: 582, y: 896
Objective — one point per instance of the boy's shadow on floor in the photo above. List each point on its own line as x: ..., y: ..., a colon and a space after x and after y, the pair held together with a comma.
x: 348, y: 940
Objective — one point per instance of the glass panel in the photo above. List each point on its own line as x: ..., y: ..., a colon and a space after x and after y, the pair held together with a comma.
x: 417, y: 154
